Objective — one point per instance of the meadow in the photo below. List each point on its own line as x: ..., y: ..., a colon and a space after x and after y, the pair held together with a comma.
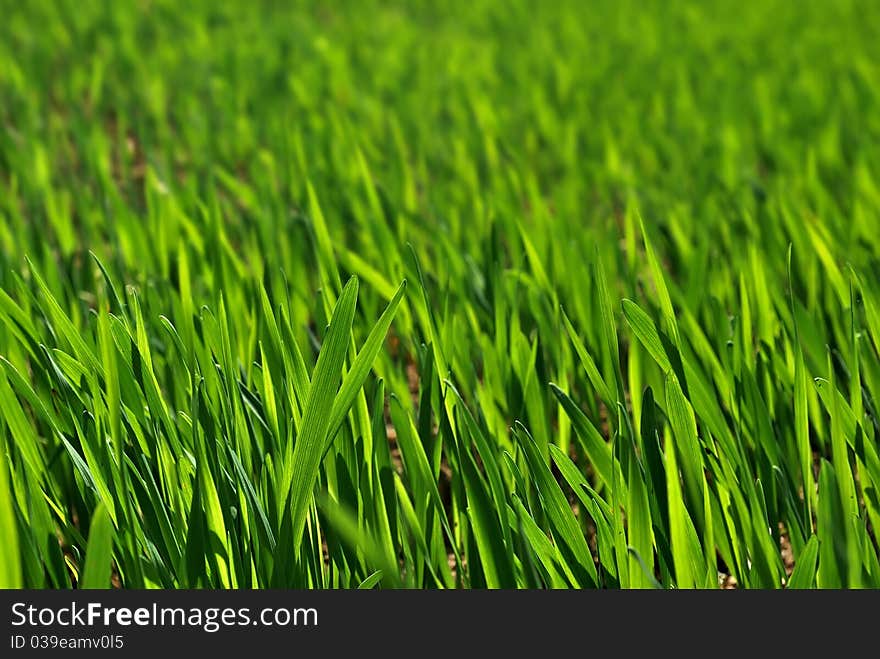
x: 439, y: 294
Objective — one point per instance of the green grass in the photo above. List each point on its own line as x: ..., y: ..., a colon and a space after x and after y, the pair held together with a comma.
x: 439, y: 294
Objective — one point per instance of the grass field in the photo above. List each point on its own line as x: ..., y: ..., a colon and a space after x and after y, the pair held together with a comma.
x: 439, y: 294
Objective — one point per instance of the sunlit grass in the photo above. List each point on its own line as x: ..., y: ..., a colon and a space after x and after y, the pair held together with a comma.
x: 389, y: 295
